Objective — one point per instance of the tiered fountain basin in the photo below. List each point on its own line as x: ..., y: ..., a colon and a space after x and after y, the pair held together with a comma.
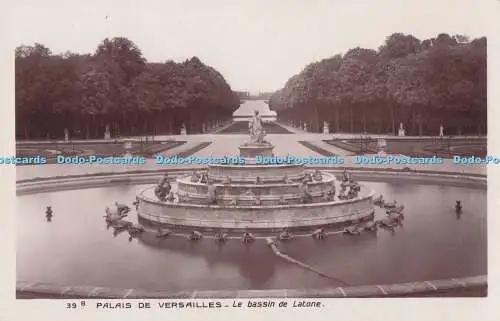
x: 269, y: 192
x: 191, y: 209
x: 261, y: 218
x: 249, y: 172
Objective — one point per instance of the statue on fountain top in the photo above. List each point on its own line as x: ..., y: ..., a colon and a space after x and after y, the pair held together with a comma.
x: 257, y: 132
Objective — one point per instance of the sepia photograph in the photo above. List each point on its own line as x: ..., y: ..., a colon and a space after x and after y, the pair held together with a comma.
x: 250, y: 149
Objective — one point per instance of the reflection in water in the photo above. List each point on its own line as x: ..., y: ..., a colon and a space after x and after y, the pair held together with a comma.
x: 254, y: 261
x: 79, y: 248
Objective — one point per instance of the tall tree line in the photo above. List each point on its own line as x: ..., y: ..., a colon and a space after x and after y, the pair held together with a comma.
x: 115, y: 87
x: 421, y: 84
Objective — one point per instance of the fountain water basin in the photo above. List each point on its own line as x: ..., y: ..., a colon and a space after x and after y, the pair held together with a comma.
x: 261, y: 199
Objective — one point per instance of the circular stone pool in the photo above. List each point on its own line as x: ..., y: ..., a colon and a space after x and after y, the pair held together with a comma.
x: 76, y: 248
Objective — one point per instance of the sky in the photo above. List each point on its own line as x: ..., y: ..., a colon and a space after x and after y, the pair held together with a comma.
x: 257, y: 45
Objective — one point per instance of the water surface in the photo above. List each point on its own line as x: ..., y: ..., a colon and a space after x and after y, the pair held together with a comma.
x: 76, y: 248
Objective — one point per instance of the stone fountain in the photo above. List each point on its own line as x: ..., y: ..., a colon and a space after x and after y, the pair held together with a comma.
x: 261, y: 199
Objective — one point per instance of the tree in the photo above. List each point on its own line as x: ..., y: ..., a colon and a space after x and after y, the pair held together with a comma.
x: 442, y: 79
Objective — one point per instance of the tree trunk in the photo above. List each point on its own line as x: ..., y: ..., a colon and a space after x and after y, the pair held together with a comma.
x: 393, y: 116
x: 364, y: 118
x: 351, y: 118
x: 337, y: 118
x: 316, y: 118
x: 87, y: 130
x: 26, y: 130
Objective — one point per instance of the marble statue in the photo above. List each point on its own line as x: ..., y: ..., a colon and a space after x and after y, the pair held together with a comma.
x: 66, y: 134
x: 107, y: 133
x: 401, y: 131
x: 441, y: 131
x: 317, y: 175
x: 163, y: 188
x: 257, y: 132
x: 326, y: 128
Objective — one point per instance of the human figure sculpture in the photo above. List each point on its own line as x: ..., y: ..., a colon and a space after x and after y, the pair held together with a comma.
x: 345, y: 176
x: 258, y: 180
x: 401, y: 131
x: 204, y: 178
x: 286, y: 180
x: 257, y: 132
x: 163, y: 188
x: 317, y: 175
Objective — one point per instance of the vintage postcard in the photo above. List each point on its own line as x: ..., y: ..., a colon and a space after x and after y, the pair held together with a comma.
x: 246, y: 158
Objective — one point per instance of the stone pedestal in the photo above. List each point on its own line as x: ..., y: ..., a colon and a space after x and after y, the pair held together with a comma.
x: 251, y: 150
x: 128, y: 145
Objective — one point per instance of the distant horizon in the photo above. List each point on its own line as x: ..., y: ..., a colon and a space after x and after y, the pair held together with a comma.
x: 256, y: 45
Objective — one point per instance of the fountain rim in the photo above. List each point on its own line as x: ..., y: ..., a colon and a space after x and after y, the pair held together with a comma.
x: 144, y: 198
x: 37, y: 185
x: 409, y: 289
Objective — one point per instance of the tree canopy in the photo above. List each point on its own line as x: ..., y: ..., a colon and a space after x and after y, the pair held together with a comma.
x: 115, y: 86
x: 421, y: 84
